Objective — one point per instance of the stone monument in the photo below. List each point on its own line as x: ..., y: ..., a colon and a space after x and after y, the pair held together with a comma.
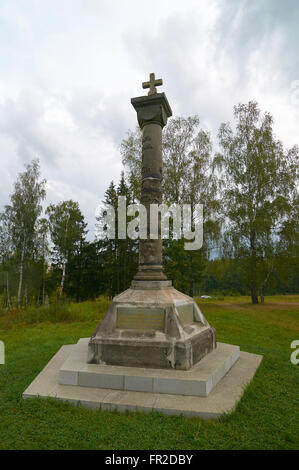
x: 154, y: 350
x: 152, y: 324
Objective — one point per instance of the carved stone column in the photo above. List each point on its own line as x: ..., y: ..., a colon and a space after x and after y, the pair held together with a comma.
x: 152, y: 114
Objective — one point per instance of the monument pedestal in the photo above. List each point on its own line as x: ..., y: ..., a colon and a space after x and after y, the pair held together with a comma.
x: 152, y: 325
x: 209, y: 389
x: 197, y: 381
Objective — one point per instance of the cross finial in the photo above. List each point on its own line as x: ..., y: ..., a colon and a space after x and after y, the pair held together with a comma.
x: 152, y: 84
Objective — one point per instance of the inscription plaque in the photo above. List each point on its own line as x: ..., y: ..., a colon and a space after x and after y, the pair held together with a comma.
x: 140, y: 318
x: 185, y: 313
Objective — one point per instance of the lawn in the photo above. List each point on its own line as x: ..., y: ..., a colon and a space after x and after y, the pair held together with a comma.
x: 265, y: 418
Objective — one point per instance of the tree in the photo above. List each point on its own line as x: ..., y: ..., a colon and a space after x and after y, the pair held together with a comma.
x: 119, y: 256
x: 20, y: 217
x: 288, y: 247
x: 43, y: 250
x: 259, y: 179
x: 127, y: 252
x: 188, y: 178
x: 85, y: 280
x: 5, y: 255
x: 131, y: 149
x: 67, y: 229
x: 107, y: 246
x: 187, y: 161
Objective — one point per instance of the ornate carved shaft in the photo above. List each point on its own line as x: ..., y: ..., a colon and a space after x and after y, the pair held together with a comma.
x: 152, y: 114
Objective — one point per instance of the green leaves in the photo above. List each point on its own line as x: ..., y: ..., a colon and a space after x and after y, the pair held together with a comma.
x: 259, y: 184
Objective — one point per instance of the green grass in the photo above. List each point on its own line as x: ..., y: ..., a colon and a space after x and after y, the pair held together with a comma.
x: 265, y: 418
x: 56, y: 312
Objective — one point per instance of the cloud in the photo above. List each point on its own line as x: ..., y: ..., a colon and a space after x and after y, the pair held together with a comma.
x: 217, y: 54
x: 77, y: 157
x: 69, y: 70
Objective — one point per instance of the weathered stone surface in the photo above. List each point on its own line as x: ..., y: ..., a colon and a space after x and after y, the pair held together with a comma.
x: 152, y: 114
x: 152, y: 83
x: 152, y: 324
x: 186, y: 313
x: 199, y: 380
x: 153, y: 109
x: 140, y: 318
x: 151, y: 285
x: 222, y: 399
x: 178, y: 339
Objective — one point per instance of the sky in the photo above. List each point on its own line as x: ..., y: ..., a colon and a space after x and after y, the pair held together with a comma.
x: 69, y: 68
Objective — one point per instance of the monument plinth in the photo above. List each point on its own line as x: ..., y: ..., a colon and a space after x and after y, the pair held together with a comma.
x: 152, y: 324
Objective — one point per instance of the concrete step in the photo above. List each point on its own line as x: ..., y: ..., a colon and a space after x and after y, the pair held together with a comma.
x: 222, y: 399
x: 198, y: 381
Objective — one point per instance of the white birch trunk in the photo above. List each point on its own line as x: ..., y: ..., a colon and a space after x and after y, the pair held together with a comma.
x: 62, y: 278
x: 44, y: 273
x: 21, y: 273
x: 65, y: 261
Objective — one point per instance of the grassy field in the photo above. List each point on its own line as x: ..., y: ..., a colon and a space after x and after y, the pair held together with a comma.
x: 265, y: 418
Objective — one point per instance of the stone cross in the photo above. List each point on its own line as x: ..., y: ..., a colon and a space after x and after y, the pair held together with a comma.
x: 152, y: 84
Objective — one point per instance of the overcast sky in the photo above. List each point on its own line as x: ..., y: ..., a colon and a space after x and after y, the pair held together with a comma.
x: 68, y: 69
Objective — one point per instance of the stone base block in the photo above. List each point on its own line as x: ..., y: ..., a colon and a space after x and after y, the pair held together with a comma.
x: 222, y: 399
x: 152, y: 325
x: 152, y: 350
x: 198, y: 381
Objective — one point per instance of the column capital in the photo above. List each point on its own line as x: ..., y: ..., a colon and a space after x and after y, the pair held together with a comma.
x: 152, y: 109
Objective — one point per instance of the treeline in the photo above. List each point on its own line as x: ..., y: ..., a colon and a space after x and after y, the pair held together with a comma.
x: 249, y: 192
x: 46, y: 257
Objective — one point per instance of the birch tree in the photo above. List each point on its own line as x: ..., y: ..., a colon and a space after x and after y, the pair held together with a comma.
x: 43, y: 252
x: 259, y: 183
x: 188, y: 178
x: 21, y: 216
x: 67, y: 229
x: 5, y: 254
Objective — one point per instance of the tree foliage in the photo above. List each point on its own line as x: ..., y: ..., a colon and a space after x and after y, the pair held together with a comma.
x: 249, y: 193
x: 259, y: 183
